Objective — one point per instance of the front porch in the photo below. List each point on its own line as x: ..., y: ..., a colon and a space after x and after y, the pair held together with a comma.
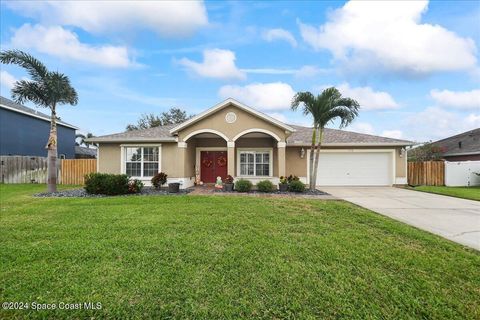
x: 254, y: 156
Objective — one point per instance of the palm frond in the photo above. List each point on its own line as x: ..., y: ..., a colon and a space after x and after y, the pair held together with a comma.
x: 25, y: 90
x: 36, y: 69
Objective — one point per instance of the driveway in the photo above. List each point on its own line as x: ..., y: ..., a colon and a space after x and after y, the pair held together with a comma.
x: 452, y: 218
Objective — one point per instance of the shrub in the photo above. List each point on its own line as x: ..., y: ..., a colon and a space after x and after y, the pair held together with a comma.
x: 104, y: 183
x: 159, y: 180
x: 135, y: 186
x: 229, y: 179
x: 265, y: 186
x: 243, y: 185
x: 296, y: 186
x: 292, y: 178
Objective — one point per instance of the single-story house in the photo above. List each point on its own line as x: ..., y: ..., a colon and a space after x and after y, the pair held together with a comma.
x: 24, y: 132
x: 231, y: 138
x: 461, y: 147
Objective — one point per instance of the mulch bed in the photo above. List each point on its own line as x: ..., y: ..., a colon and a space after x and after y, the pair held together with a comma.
x: 81, y: 193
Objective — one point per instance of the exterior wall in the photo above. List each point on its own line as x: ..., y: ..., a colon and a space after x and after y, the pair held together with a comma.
x: 109, y: 158
x: 294, y: 164
x: 245, y: 120
x: 23, y: 135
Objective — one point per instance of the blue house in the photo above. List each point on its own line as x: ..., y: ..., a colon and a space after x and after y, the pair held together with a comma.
x: 24, y: 132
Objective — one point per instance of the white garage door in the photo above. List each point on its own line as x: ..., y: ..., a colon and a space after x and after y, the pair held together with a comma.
x: 355, y: 169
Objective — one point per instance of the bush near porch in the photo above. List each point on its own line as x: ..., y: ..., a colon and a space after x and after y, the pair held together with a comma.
x: 226, y: 257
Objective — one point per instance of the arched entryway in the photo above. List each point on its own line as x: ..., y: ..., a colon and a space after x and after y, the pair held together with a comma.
x: 207, y: 149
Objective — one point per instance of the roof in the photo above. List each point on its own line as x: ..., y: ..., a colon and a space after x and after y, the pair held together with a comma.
x: 160, y: 134
x: 334, y: 137
x: 224, y: 104
x: 13, y: 106
x: 465, y: 143
x: 302, y: 136
x: 86, y: 151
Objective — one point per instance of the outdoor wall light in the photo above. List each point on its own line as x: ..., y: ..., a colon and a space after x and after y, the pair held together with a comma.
x: 401, y: 152
x: 302, y: 153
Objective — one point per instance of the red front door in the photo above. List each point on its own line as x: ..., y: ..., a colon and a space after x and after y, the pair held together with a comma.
x: 212, y: 165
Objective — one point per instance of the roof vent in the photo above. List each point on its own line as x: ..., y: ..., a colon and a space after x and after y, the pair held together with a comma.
x: 460, y: 144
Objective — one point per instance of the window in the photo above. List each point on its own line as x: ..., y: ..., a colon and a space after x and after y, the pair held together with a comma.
x: 254, y: 163
x: 141, y: 161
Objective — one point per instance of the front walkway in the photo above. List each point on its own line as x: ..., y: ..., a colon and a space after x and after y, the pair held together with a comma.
x: 452, y: 218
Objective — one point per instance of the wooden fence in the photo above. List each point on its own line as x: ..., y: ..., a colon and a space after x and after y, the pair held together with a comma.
x: 426, y: 173
x: 74, y: 170
x: 21, y: 169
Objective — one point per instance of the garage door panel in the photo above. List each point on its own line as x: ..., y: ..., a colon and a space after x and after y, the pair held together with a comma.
x: 355, y: 169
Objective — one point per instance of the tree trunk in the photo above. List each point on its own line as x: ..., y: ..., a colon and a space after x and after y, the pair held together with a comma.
x: 52, y: 153
x: 317, y: 157
x: 312, y: 153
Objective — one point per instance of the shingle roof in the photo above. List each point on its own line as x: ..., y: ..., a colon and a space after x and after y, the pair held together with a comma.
x: 461, y: 144
x: 161, y: 133
x: 85, y: 151
x: 303, y: 136
x: 11, y: 105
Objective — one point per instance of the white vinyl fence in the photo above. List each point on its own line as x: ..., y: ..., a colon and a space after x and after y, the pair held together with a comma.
x: 462, y: 173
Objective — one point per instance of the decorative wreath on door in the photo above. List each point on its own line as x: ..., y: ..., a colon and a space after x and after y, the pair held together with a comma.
x: 221, y: 161
x: 207, y: 163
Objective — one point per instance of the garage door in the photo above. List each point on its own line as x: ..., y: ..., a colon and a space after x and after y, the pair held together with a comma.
x: 355, y: 169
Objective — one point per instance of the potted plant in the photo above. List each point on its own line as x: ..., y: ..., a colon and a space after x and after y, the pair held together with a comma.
x: 228, y: 185
x: 173, y: 187
x: 283, y: 185
x: 159, y: 180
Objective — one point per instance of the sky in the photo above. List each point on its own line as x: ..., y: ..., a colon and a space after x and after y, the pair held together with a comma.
x: 412, y: 65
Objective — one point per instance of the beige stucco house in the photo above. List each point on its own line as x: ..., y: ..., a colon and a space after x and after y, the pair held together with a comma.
x: 235, y: 139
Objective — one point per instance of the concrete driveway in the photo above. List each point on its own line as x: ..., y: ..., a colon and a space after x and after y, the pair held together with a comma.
x: 452, y: 218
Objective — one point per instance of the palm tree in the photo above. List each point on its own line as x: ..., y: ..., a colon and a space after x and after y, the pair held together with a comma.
x: 324, y: 108
x: 46, y: 89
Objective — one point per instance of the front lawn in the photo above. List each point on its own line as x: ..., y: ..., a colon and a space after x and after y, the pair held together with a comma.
x: 472, y: 193
x: 226, y: 257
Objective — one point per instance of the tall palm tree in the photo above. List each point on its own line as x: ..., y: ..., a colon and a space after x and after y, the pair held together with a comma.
x: 324, y: 108
x: 46, y: 89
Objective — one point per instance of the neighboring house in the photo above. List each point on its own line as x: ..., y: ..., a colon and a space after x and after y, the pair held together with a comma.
x: 85, y: 153
x: 24, y: 132
x: 232, y: 138
x: 461, y: 147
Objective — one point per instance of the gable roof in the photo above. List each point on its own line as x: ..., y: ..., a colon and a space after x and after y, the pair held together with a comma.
x: 13, y: 106
x: 334, y: 137
x: 300, y: 137
x: 226, y: 103
x: 465, y: 143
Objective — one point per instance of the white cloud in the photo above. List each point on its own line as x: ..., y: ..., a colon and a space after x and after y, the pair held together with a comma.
x: 395, y: 134
x: 390, y: 34
x: 279, y: 34
x: 435, y: 123
x: 217, y: 63
x: 263, y: 96
x: 367, y: 97
x: 279, y: 116
x: 7, y: 80
x: 167, y: 18
x: 303, y: 72
x: 362, y: 127
x: 457, y: 99
x: 63, y: 43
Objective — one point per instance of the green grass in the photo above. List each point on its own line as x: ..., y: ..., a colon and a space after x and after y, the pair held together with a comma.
x: 215, y: 257
x: 472, y: 193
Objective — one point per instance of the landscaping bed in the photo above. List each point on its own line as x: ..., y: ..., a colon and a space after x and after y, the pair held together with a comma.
x: 81, y: 193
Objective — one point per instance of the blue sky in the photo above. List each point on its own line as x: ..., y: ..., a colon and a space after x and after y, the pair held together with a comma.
x: 413, y: 65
